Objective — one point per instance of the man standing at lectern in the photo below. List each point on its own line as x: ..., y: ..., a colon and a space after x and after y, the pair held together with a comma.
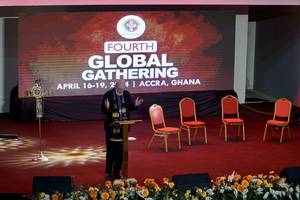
x: 116, y: 105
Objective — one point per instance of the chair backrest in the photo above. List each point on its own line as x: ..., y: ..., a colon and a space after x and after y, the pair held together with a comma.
x: 282, y: 109
x: 230, y: 106
x: 157, y: 116
x: 187, y: 109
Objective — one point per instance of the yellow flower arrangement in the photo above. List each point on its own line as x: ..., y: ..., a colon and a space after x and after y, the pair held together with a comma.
x: 237, y: 177
x: 199, y: 190
x: 204, y: 194
x: 240, y: 188
x: 131, y: 182
x: 145, y: 192
x: 150, y: 182
x: 42, y: 195
x: 138, y: 187
x: 118, y: 183
x: 112, y: 194
x: 108, y: 184
x: 269, y: 185
x: 233, y: 186
x: 245, y: 183
x: 54, y: 197
x: 259, y: 183
x: 187, y: 194
x: 104, y: 196
x: 168, y: 183
x: 248, y: 178
x: 93, y: 192
x: 157, y: 188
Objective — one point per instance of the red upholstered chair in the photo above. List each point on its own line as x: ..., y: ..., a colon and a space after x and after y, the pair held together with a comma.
x: 281, y: 117
x: 188, y: 118
x: 230, y: 115
x: 159, y: 126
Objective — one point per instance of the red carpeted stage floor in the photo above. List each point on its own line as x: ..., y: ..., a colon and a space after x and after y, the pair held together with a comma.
x: 77, y: 149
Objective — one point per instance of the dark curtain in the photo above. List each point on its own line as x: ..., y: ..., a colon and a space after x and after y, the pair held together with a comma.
x: 88, y: 107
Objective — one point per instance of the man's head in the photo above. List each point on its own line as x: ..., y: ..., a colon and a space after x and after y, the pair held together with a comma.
x: 119, y: 87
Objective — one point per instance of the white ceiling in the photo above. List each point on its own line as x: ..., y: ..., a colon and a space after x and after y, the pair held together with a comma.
x: 145, y: 2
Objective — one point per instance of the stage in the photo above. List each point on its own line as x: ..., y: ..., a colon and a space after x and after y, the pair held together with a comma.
x: 77, y: 149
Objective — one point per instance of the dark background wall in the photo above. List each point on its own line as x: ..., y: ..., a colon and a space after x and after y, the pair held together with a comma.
x: 277, y: 57
x: 10, y: 56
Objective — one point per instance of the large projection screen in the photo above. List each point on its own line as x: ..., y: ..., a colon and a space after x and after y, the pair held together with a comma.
x: 83, y: 53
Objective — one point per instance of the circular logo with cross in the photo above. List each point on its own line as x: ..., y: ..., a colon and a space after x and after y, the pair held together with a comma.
x: 37, y: 91
x: 131, y: 26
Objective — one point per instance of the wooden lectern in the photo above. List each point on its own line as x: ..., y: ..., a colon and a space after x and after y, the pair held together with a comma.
x: 125, y: 124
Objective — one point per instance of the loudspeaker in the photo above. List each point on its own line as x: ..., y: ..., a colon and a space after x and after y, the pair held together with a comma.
x: 292, y: 174
x: 50, y: 184
x: 15, y: 196
x: 8, y: 136
x: 185, y: 181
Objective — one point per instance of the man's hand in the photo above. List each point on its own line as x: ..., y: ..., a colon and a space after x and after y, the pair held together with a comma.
x: 138, y: 101
x: 106, y: 102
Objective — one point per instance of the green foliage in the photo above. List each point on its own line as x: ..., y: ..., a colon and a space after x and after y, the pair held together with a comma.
x: 231, y: 187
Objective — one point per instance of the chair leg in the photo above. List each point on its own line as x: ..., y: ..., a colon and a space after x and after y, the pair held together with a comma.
x: 239, y: 127
x: 179, y: 141
x: 189, y: 135
x: 265, y: 132
x: 244, y: 136
x: 150, y: 142
x: 225, y: 130
x: 282, y: 131
x: 205, y: 134
x: 166, y: 143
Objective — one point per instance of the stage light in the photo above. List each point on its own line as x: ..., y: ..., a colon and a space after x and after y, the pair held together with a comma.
x: 60, y: 157
x: 14, y: 144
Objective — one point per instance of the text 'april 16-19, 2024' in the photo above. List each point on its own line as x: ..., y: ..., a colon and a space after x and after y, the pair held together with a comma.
x: 131, y: 83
